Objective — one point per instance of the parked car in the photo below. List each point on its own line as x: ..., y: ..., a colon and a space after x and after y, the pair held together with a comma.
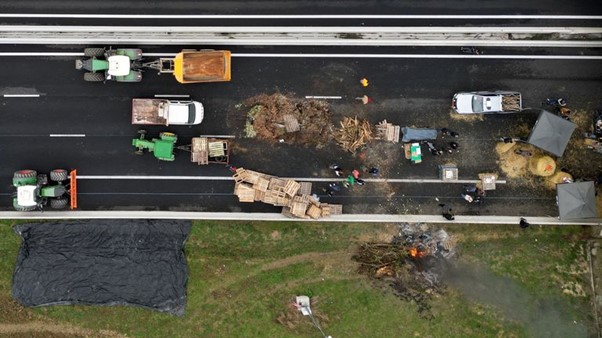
x: 496, y: 102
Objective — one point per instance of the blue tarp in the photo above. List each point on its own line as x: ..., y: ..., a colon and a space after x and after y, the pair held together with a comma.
x: 418, y: 134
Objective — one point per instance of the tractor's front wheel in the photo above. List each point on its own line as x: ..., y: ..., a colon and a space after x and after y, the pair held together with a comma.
x: 27, y: 208
x: 94, y: 77
x: 59, y: 175
x: 94, y: 52
x: 25, y: 173
x: 58, y: 203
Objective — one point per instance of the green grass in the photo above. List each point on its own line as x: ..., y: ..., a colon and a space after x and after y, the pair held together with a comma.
x: 243, y: 276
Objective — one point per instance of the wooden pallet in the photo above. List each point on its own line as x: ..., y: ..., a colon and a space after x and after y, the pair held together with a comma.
x: 314, y: 211
x: 261, y: 184
x: 291, y: 187
x: 245, y: 192
x: 387, y: 132
x: 304, y: 188
x: 291, y: 124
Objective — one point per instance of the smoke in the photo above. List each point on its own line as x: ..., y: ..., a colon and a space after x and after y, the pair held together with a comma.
x: 545, y: 318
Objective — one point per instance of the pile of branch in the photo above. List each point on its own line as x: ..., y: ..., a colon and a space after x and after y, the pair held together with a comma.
x: 353, y: 134
x: 391, y: 263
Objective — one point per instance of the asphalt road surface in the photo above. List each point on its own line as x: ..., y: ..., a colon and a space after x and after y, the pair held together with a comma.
x: 406, y: 92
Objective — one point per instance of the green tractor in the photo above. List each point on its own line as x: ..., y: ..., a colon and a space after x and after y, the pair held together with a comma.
x: 35, y: 191
x: 162, y: 147
x: 121, y: 65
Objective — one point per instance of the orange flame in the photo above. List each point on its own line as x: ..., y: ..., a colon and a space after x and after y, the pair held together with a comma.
x: 413, y: 252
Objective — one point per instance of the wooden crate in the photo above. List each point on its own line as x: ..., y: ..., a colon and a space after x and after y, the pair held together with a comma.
x: 261, y: 184
x: 290, y: 123
x: 304, y: 188
x: 276, y: 183
x: 336, y: 209
x: 245, y: 192
x: 259, y: 195
x: 199, y: 153
x: 298, y: 209
x: 240, y: 175
x: 281, y: 199
x: 268, y: 198
x: 291, y: 187
x: 314, y: 211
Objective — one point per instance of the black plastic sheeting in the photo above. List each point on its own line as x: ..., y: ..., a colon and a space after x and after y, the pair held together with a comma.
x: 103, y: 262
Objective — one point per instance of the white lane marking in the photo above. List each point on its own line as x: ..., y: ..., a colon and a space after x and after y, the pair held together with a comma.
x: 357, y: 56
x: 67, y: 135
x: 21, y: 95
x: 420, y: 56
x: 299, y: 179
x: 171, y: 95
x: 305, y: 16
x: 325, y: 97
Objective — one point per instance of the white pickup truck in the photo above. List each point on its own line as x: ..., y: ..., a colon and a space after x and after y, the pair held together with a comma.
x: 166, y: 112
x: 496, y: 102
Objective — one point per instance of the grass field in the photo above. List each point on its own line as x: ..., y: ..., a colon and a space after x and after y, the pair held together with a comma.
x: 243, y: 276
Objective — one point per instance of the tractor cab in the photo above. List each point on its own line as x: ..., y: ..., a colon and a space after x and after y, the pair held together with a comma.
x: 26, y: 195
x: 119, y: 65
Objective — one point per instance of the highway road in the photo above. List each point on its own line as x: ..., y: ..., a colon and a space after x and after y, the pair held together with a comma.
x: 408, y: 92
x: 65, y: 122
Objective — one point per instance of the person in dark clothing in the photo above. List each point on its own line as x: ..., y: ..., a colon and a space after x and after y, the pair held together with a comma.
x: 444, y: 131
x: 373, y: 171
x: 523, y: 223
x: 448, y: 215
x: 454, y: 134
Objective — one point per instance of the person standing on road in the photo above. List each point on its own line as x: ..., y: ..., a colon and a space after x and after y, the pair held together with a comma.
x: 373, y: 171
x: 337, y: 169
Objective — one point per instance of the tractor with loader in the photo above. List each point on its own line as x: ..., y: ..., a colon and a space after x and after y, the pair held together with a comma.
x: 35, y: 191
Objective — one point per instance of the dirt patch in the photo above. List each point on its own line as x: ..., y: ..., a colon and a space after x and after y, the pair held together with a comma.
x: 281, y: 117
x: 466, y: 117
x: 47, y: 330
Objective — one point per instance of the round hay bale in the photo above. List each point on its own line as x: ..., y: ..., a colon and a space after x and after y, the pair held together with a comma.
x: 542, y: 165
x: 559, y: 177
x: 502, y: 147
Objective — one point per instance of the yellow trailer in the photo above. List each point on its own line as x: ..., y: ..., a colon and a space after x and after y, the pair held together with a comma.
x: 192, y: 66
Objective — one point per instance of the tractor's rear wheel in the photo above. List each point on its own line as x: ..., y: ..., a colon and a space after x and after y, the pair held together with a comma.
x: 58, y: 203
x: 94, y: 77
x: 27, y: 208
x: 92, y: 52
x: 25, y: 173
x: 59, y: 175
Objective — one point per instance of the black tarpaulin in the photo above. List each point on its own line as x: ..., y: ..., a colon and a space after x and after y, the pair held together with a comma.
x: 103, y: 262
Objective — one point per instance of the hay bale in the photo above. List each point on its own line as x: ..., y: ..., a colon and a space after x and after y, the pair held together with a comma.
x: 542, y: 165
x: 558, y: 177
x: 502, y: 147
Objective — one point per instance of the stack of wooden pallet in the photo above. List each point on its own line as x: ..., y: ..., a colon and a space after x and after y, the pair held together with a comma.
x: 294, y: 197
x: 387, y: 132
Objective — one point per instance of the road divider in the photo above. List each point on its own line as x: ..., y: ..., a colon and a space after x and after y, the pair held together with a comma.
x: 507, y: 36
x: 237, y: 216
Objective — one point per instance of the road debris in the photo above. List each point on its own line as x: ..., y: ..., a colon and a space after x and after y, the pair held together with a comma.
x: 296, y: 121
x: 353, y: 134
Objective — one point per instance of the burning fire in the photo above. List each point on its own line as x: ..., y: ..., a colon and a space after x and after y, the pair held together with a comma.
x: 415, y: 253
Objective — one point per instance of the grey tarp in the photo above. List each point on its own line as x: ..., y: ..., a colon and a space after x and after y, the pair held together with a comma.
x: 418, y: 134
x: 551, y: 133
x: 576, y: 200
x: 103, y: 262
